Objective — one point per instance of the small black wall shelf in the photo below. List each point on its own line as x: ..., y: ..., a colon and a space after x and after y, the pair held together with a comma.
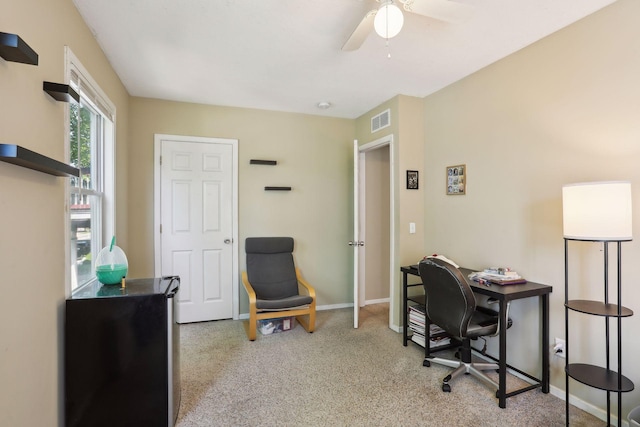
x: 14, y: 49
x: 61, y: 92
x: 263, y: 162
x: 20, y: 156
x: 277, y: 188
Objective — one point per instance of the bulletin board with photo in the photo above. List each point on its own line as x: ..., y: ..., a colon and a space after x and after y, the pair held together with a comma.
x: 456, y: 179
x: 412, y: 180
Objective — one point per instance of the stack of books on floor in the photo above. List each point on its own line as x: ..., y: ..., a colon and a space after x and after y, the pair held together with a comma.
x: 417, y: 325
x: 499, y: 276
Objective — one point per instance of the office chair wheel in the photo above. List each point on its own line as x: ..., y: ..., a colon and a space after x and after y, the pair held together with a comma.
x: 426, y: 363
x: 446, y: 388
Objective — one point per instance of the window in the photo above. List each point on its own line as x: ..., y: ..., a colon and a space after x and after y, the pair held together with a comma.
x: 91, y: 196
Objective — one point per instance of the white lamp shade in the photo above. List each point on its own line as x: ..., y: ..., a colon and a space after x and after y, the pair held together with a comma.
x: 597, y: 211
x: 388, y: 21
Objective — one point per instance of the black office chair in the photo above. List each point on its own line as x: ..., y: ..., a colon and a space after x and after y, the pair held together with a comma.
x: 451, y: 304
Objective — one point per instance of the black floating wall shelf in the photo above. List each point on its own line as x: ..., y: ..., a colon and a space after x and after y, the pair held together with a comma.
x: 61, y: 92
x: 263, y: 162
x: 20, y: 156
x: 14, y: 49
x: 277, y: 188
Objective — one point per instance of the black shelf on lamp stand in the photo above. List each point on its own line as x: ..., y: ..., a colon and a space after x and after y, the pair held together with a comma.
x: 595, y: 376
x: 597, y: 212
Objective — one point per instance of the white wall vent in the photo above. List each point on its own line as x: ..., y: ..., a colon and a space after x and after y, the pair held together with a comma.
x: 381, y: 121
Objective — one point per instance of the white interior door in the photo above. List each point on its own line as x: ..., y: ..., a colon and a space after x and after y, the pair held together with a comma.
x: 356, y: 243
x: 197, y: 225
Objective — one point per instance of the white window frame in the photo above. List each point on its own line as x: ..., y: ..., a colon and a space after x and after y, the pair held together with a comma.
x: 106, y: 169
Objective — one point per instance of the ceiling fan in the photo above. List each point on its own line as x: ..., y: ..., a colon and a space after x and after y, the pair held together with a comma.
x: 387, y: 20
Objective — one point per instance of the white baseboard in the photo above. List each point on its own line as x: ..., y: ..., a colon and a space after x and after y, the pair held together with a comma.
x: 333, y: 306
x: 587, y: 407
x: 376, y: 301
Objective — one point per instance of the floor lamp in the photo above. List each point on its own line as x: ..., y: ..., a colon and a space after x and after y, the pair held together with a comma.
x: 598, y: 212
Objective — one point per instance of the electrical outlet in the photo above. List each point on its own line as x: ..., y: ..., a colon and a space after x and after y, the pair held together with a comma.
x: 560, y: 349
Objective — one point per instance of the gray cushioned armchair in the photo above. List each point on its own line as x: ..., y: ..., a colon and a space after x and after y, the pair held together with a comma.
x: 274, y: 285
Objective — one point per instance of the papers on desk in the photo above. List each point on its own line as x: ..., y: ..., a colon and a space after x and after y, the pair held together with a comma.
x: 498, y: 276
x: 417, y: 324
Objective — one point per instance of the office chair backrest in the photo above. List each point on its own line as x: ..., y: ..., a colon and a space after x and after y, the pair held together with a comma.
x: 450, y: 300
x: 270, y: 267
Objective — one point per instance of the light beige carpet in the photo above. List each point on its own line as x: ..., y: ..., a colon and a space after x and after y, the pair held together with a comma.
x: 338, y: 376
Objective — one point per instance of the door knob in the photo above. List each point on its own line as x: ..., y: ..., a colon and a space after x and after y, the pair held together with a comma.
x: 228, y: 241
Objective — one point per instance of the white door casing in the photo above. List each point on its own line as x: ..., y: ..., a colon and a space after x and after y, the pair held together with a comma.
x: 196, y: 217
x: 355, y: 243
x: 360, y: 218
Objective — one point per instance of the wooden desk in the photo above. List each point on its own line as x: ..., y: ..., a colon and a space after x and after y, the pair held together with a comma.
x: 503, y: 294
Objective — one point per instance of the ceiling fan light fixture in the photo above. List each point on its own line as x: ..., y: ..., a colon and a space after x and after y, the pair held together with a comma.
x: 388, y: 21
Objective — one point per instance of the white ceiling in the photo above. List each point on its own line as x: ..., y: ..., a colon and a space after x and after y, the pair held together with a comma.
x: 285, y: 55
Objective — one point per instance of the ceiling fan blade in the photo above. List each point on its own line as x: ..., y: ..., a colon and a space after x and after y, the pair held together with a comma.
x: 442, y: 10
x: 361, y: 32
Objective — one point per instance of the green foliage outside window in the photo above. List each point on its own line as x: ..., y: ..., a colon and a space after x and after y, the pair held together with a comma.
x: 80, y: 138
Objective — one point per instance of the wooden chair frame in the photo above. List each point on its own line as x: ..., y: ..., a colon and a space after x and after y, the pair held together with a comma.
x: 306, y: 315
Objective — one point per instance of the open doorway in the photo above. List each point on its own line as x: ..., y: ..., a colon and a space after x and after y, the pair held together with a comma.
x: 375, y: 219
x: 376, y: 226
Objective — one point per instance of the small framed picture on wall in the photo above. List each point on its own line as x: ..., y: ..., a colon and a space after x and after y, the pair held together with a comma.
x: 412, y: 180
x: 456, y: 179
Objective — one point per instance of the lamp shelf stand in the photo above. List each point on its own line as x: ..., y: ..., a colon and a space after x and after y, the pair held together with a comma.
x: 603, y: 378
x: 598, y: 212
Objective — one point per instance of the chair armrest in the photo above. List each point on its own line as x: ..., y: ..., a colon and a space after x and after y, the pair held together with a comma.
x: 509, y: 322
x: 247, y: 286
x: 310, y: 290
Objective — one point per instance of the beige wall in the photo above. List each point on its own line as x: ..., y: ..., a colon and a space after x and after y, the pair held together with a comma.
x: 411, y: 144
x: 407, y: 129
x: 32, y: 206
x: 313, y: 155
x: 563, y: 110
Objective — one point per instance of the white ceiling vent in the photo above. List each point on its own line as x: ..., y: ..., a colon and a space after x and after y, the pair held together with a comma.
x: 380, y: 121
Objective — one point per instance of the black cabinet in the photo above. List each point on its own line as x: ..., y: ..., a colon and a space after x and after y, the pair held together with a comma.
x: 122, y: 355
